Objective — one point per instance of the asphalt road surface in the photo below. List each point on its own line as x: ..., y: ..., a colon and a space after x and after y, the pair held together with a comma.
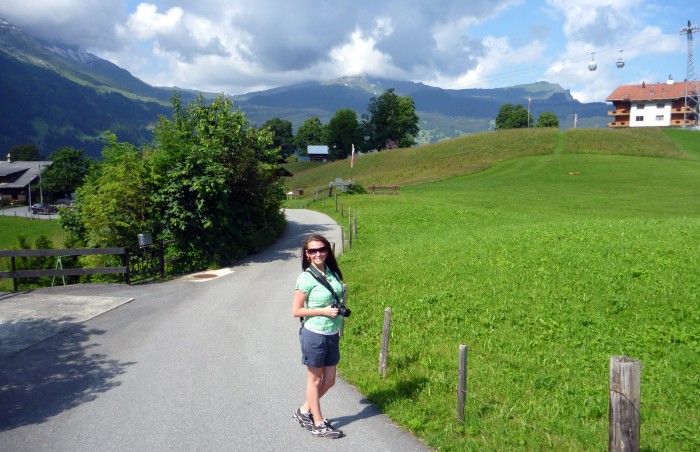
x: 195, y: 364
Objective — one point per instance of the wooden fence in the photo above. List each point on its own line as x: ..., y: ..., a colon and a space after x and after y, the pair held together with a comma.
x: 146, y: 262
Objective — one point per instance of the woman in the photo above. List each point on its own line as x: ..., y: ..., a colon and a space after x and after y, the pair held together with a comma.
x: 319, y: 334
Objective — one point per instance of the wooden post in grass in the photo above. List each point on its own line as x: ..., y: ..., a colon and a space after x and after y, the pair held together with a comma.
x: 345, y: 303
x: 336, y: 202
x: 342, y: 240
x: 385, y: 342
x: 355, y: 221
x: 350, y: 227
x: 462, y: 385
x: 625, y: 401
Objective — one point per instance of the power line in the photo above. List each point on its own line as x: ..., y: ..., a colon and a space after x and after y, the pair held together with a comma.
x: 558, y: 64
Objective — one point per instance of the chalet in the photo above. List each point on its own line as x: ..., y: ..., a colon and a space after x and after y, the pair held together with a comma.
x: 17, y: 179
x: 317, y: 153
x: 655, y: 105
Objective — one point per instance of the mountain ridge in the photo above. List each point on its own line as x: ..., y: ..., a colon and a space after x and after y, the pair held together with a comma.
x: 54, y: 95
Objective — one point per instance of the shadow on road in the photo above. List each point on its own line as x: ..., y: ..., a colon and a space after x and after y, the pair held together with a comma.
x: 370, y: 410
x: 54, y: 376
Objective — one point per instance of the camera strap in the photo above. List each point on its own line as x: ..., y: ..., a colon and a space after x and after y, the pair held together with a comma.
x: 323, y: 281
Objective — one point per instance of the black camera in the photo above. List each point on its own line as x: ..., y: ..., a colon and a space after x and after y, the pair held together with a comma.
x: 342, y: 309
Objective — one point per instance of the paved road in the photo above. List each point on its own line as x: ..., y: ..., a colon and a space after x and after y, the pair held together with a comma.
x: 194, y: 364
x: 24, y: 212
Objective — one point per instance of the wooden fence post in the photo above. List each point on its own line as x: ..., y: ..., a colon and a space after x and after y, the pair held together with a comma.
x: 350, y: 228
x: 342, y: 240
x: 462, y: 385
x: 345, y: 303
x: 385, y: 342
x: 625, y: 401
x: 355, y: 221
x: 336, y: 202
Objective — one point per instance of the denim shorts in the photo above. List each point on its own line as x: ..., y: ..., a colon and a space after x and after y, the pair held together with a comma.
x: 319, y: 350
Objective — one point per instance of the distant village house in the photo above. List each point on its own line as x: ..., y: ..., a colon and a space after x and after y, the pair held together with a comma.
x: 655, y: 105
x: 18, y: 179
x: 317, y: 153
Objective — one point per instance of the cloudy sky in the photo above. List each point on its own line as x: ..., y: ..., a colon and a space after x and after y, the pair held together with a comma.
x: 236, y: 46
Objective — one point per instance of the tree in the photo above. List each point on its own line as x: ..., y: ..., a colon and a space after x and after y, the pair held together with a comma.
x: 547, y: 119
x: 310, y: 133
x: 66, y: 173
x: 209, y: 181
x: 25, y: 153
x: 512, y: 117
x: 344, y: 131
x: 392, y: 119
x: 283, y: 137
x: 114, y: 204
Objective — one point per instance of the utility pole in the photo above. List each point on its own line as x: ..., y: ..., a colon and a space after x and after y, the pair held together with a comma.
x: 691, y: 97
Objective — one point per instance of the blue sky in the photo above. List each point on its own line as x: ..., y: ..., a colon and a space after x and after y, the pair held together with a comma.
x: 236, y: 46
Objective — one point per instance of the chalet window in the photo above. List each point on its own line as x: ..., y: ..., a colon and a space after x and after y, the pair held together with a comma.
x: 659, y: 117
x: 640, y: 118
x: 660, y: 105
x: 640, y: 106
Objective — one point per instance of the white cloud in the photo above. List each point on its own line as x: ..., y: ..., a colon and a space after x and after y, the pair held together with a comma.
x: 236, y: 46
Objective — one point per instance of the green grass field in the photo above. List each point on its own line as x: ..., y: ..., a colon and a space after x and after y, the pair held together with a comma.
x: 546, y: 253
x: 545, y: 266
x: 12, y: 228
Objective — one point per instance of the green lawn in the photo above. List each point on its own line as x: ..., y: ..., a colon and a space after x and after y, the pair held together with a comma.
x: 12, y: 228
x: 544, y: 275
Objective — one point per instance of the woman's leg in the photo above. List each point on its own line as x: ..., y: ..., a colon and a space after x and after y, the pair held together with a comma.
x: 318, y: 381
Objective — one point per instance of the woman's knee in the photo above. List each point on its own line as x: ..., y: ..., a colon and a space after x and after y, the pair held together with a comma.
x: 328, y: 382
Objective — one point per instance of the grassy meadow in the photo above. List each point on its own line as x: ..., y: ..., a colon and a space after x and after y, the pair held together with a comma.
x: 580, y: 246
x: 14, y: 227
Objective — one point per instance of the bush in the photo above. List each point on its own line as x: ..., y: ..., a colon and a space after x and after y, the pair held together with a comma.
x: 355, y: 189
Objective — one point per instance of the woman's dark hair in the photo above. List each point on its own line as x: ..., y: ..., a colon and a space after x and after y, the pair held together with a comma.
x: 330, y: 257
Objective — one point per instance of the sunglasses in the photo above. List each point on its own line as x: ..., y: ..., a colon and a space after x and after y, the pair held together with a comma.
x: 313, y: 251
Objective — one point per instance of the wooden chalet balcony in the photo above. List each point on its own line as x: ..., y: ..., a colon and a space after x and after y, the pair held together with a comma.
x: 619, y: 124
x: 618, y: 112
x: 679, y: 122
x: 682, y: 109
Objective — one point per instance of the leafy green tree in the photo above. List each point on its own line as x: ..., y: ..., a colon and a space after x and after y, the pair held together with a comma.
x: 66, y: 173
x: 547, y: 119
x: 283, y: 137
x: 311, y: 132
x: 392, y: 121
x: 25, y: 153
x: 218, y: 193
x: 209, y: 181
x: 344, y: 131
x: 114, y: 204
x: 512, y: 117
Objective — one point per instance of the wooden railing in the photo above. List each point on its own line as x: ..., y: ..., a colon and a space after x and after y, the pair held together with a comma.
x: 143, y: 263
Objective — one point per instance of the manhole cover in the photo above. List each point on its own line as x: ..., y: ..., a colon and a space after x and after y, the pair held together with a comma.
x: 204, y: 276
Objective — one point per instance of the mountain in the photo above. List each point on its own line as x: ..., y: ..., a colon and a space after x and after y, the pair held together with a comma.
x: 55, y: 96
x: 52, y: 96
x: 443, y: 113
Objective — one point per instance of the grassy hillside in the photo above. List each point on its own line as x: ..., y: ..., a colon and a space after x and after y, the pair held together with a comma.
x: 545, y: 264
x: 473, y: 153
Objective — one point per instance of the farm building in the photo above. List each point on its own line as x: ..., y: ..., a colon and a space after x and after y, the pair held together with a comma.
x: 317, y: 153
x: 18, y: 178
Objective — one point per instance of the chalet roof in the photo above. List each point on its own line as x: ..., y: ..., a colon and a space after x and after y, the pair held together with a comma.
x: 651, y: 91
x: 317, y: 149
x: 26, y: 171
